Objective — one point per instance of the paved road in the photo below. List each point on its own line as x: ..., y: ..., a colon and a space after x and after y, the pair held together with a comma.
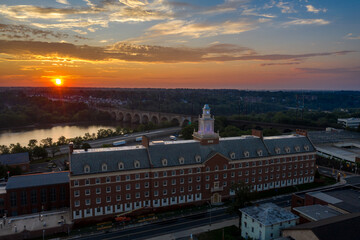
x: 166, y: 227
x: 130, y: 138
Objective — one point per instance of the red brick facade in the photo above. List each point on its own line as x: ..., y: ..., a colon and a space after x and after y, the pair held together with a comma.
x: 118, y: 192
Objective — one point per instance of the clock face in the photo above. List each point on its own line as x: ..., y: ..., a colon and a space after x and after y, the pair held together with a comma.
x: 207, y: 112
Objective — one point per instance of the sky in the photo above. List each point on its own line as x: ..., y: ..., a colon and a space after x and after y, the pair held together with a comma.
x: 236, y: 44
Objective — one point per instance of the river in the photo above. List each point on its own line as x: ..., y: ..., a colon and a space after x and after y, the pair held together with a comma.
x: 69, y: 131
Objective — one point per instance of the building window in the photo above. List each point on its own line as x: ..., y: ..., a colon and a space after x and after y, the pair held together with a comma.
x: 98, y: 190
x: 232, y: 155
x: 181, y: 180
x: 87, y: 192
x: 156, y: 193
x: 173, y: 181
x: 240, y: 173
x: 181, y: 171
x: 156, y: 174
x: 198, y: 170
x: 86, y: 169
x: 216, y: 177
x: 207, y: 186
x: 137, y: 195
x: 246, y: 154
x: 77, y: 203
x: 128, y: 196
x: 225, y: 167
x: 173, y: 173
x: 207, y: 169
x: 87, y: 182
x: 76, y: 183
x: 87, y: 202
x: 224, y: 175
x: 104, y: 167
x: 62, y: 193
x: 207, y: 178
x: 260, y: 152
x: 108, y: 179
x: 33, y: 196
x: 181, y: 160
x: 127, y: 177
x: 164, y: 162
x: 118, y: 198
x: 165, y: 174
x: 121, y: 165
x: 98, y: 200
x: 108, y: 189
x: 128, y: 187
x: 190, y: 180
x: 53, y: 194
x: 136, y: 164
x: 97, y: 180
x: 198, y: 187
x: 156, y: 184
x: 198, y: 178
x: 216, y: 168
x: 190, y: 188
x: 306, y: 147
x: 164, y: 192
x: 190, y: 171
x: 146, y: 175
x: 182, y: 189
x: 147, y: 194
x: 118, y: 178
x: 287, y: 150
x: 197, y: 158
x: 23, y: 198
x: 43, y: 195
x: 118, y: 188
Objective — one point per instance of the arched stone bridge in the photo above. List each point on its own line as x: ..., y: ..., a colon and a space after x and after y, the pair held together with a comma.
x: 143, y: 117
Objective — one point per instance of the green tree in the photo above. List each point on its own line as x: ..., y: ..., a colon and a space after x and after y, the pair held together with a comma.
x: 32, y: 143
x: 39, y: 152
x: 47, y: 142
x: 85, y: 146
x: 241, y: 199
x: 17, y: 148
x: 61, y: 140
x: 4, y: 149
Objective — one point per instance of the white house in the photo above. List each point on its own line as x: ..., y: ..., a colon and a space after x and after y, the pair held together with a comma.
x: 265, y: 221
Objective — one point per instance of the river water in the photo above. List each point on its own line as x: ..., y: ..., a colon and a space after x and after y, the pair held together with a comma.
x: 69, y: 131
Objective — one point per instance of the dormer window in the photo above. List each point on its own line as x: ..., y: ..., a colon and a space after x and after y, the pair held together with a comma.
x: 121, y: 165
x: 287, y: 150
x: 136, y: 164
x: 164, y: 162
x: 260, y: 152
x: 246, y: 154
x: 86, y: 169
x: 277, y: 150
x: 232, y: 155
x: 104, y: 167
x: 197, y: 158
x: 306, y: 147
x: 297, y: 148
x: 181, y: 160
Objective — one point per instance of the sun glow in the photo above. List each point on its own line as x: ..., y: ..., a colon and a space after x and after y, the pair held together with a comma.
x: 58, y: 82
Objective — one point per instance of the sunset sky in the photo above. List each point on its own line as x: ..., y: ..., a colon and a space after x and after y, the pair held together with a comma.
x: 243, y: 44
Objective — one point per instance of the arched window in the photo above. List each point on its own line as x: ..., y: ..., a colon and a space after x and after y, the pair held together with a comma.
x: 136, y: 164
x: 181, y: 160
x: 232, y: 155
x: 197, y: 158
x: 297, y: 148
x: 121, y: 165
x: 287, y: 150
x: 260, y: 152
x: 104, y: 167
x: 246, y: 154
x: 86, y: 169
x: 277, y: 150
x: 164, y: 162
x: 306, y: 147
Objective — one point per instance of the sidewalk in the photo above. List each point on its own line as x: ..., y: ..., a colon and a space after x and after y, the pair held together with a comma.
x: 187, y: 233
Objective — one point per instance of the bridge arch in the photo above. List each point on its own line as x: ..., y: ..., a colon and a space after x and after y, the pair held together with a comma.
x: 175, y: 121
x: 136, y: 118
x: 185, y: 122
x: 155, y: 120
x: 120, y: 116
x: 113, y: 115
x: 164, y: 119
x: 127, y: 117
x: 145, y: 119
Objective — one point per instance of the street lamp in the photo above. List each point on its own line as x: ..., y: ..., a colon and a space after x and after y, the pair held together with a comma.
x: 210, y: 211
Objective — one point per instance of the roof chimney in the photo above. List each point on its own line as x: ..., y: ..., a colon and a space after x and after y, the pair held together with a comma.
x: 301, y: 132
x: 145, y: 141
x: 257, y: 133
x: 71, y: 147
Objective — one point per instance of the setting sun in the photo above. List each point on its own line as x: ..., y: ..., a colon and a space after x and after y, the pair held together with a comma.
x: 58, y: 81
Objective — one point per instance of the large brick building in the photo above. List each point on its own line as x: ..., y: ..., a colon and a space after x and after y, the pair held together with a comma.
x: 32, y: 193
x: 109, y: 181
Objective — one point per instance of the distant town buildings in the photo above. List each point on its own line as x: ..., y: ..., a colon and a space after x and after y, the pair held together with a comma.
x: 265, y: 221
x: 349, y: 122
x: 159, y: 175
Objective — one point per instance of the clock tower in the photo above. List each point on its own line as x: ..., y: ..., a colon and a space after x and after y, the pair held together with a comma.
x: 206, y: 134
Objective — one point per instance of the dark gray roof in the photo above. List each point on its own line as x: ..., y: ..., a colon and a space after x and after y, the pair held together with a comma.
x: 16, y: 158
x: 269, y: 214
x: 94, y: 158
x: 35, y: 180
x: 345, y: 226
x: 317, y: 212
x: 187, y: 149
x: 350, y: 199
x: 290, y: 141
x: 172, y: 151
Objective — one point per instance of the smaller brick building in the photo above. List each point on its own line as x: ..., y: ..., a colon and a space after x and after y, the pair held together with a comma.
x: 16, y: 160
x: 33, y: 193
